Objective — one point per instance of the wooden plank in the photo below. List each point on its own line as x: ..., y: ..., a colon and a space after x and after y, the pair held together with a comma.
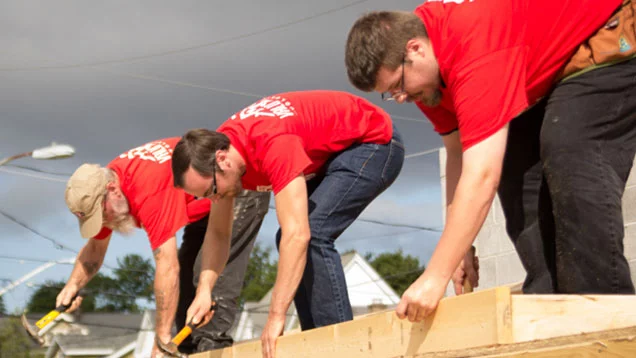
x: 547, y: 316
x: 613, y: 343
x: 472, y: 320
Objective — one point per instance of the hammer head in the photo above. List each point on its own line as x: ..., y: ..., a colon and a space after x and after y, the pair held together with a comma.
x: 169, y: 348
x: 32, y: 330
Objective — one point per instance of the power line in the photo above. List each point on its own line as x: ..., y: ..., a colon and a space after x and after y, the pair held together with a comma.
x: 55, y: 243
x: 222, y: 90
x: 190, y: 48
x: 271, y: 207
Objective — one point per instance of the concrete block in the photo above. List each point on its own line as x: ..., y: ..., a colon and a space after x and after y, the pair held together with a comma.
x: 631, y: 181
x: 632, y: 266
x: 505, y: 244
x: 487, y: 244
x: 442, y: 162
x: 487, y: 273
x: 630, y: 242
x: 509, y: 269
x: 629, y: 206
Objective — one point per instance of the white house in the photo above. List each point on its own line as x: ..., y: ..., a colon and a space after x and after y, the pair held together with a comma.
x: 368, y: 292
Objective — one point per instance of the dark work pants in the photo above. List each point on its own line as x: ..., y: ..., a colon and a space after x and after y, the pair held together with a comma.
x: 564, y: 174
x: 353, y: 178
x: 249, y: 209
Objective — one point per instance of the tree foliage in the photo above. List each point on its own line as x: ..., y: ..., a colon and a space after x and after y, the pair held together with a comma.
x: 397, y: 269
x: 3, y: 308
x: 13, y: 340
x: 133, y: 278
x: 260, y: 275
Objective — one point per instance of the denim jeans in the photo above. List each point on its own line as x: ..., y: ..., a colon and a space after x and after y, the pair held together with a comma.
x: 352, y: 179
x: 564, y: 174
x: 250, y: 208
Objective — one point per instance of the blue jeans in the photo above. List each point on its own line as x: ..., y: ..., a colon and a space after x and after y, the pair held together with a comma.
x: 353, y: 178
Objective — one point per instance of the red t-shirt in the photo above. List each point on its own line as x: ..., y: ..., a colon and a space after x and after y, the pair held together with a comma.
x: 284, y: 135
x: 145, y: 176
x: 498, y: 57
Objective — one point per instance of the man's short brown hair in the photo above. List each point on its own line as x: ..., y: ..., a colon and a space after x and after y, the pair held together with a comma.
x: 379, y: 39
x: 197, y: 148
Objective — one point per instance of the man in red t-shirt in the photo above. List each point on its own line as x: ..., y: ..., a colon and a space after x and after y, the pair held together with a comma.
x: 560, y: 166
x: 326, y: 155
x: 136, y: 190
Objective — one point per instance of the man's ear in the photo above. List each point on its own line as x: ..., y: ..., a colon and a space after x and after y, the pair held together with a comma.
x: 222, y: 159
x: 415, y: 46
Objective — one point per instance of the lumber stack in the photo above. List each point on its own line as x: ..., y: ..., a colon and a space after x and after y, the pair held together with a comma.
x: 490, y: 323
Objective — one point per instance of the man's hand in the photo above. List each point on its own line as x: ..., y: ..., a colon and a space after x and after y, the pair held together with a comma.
x: 156, y: 353
x: 468, y: 269
x: 273, y: 329
x: 199, y: 311
x: 65, y: 297
x: 421, y: 298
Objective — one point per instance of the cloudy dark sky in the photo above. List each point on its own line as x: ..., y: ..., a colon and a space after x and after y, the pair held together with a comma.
x: 109, y: 76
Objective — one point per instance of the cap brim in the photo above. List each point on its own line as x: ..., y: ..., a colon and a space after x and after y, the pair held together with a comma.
x: 93, y: 223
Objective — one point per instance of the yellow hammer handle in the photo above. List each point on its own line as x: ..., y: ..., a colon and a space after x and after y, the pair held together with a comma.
x: 183, y: 334
x: 47, y: 319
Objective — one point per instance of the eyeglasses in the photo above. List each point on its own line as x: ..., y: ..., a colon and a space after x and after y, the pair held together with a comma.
x: 388, y: 96
x: 212, y: 190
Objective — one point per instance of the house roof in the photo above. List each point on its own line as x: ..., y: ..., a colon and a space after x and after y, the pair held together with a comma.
x: 93, y: 344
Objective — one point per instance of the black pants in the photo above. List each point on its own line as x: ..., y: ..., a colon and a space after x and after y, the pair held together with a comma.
x: 249, y: 209
x: 564, y: 174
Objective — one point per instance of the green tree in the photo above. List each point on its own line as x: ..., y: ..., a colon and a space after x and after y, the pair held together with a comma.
x: 43, y: 299
x: 260, y: 275
x: 13, y: 340
x: 134, y: 278
x: 397, y: 269
x: 3, y: 308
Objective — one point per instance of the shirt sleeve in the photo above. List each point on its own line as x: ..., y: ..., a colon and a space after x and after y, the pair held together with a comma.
x: 488, y: 93
x: 103, y: 233
x: 163, y: 214
x: 283, y: 160
x: 444, y: 122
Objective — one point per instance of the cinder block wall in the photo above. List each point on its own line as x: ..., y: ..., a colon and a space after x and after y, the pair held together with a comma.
x: 498, y: 261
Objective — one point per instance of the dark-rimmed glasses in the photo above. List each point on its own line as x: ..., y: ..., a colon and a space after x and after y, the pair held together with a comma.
x: 388, y: 96
x: 212, y: 190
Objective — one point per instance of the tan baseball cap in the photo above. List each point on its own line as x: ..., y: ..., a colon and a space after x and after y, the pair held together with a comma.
x: 84, y: 196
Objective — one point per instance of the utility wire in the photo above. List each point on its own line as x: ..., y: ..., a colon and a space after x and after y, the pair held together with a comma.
x: 186, y: 49
x: 424, y: 228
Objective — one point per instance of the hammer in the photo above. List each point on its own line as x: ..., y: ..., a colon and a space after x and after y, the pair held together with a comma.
x: 171, y: 348
x: 36, y: 331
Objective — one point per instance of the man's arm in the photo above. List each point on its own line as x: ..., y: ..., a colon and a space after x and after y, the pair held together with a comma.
x: 292, y: 212
x: 166, y: 287
x: 471, y: 200
x: 215, y: 252
x: 453, y: 165
x: 87, y: 263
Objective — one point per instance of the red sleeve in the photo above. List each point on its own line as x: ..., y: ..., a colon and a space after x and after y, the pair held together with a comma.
x: 283, y: 160
x: 488, y: 93
x: 104, y: 233
x: 163, y: 214
x: 444, y: 122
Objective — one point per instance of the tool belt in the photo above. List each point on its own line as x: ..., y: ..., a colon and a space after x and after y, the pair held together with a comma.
x: 614, y: 42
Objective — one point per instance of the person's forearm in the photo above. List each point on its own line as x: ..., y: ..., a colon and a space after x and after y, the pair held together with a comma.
x: 216, y: 251
x: 453, y: 172
x: 291, y: 265
x: 166, y: 297
x: 472, y: 199
x: 87, y: 263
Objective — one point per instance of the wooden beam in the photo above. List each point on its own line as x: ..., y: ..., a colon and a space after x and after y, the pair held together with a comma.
x: 461, y: 322
x: 614, y: 343
x: 490, y: 323
x: 548, y: 316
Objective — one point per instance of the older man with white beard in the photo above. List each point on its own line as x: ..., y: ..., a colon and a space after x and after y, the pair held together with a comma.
x: 136, y: 190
